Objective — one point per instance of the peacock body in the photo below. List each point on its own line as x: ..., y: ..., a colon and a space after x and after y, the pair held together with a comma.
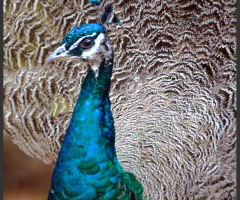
x: 87, y: 167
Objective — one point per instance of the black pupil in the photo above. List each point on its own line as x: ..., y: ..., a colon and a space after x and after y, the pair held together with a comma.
x: 87, y: 43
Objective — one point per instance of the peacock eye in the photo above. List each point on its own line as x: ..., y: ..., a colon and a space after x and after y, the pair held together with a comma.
x: 87, y: 43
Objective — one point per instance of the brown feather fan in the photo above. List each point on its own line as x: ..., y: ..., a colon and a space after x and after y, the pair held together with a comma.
x: 173, y: 89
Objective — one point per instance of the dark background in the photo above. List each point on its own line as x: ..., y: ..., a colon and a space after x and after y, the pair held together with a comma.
x: 24, y: 178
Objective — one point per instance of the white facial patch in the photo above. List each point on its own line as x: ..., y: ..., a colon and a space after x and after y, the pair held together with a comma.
x: 93, y: 53
x: 80, y: 40
x: 97, y: 53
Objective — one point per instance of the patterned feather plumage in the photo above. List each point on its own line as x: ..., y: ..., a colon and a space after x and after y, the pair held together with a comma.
x: 173, y: 89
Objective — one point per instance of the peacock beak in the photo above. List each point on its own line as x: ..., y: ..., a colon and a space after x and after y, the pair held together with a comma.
x: 59, y: 54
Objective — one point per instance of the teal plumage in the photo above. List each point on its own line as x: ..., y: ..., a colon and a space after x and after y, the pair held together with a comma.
x: 87, y: 167
x: 95, y: 2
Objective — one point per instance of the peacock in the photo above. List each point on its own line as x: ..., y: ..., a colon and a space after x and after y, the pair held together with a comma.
x: 173, y: 89
x: 87, y: 167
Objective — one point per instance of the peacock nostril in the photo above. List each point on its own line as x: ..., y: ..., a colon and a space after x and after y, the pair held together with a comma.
x: 60, y: 51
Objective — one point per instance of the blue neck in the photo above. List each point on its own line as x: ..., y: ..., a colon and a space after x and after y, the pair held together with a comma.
x: 91, y: 133
x: 87, y: 166
x: 96, y: 87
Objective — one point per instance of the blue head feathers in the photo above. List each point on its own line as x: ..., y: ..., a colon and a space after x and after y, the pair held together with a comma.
x: 91, y: 30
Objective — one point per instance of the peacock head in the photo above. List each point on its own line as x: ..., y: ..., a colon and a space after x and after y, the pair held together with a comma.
x: 88, y: 43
